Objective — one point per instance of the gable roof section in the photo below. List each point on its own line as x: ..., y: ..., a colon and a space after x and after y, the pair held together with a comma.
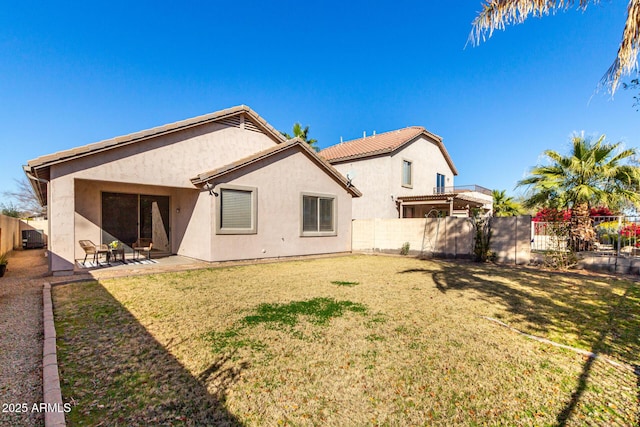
x: 382, y: 143
x: 257, y: 123
x: 38, y: 169
x: 295, y: 143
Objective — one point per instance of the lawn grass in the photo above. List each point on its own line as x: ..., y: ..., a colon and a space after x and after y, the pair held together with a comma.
x: 290, y: 344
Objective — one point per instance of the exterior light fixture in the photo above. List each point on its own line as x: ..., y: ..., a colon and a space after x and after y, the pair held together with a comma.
x: 209, y: 187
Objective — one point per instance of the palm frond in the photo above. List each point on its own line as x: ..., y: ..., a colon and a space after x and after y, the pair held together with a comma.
x: 497, y: 14
x: 303, y: 134
x: 627, y: 59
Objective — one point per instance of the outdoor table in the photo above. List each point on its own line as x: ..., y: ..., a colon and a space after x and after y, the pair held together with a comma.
x: 118, y: 253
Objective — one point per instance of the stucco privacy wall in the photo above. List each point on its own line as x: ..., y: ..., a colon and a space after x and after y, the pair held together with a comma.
x: 448, y: 237
x: 9, y: 234
x: 380, y: 178
x: 167, y: 161
x: 511, y: 239
x: 280, y: 181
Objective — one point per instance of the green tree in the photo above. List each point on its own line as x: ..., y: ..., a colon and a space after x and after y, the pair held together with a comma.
x: 504, y: 205
x: 9, y: 209
x: 497, y: 14
x: 303, y: 134
x: 595, y: 173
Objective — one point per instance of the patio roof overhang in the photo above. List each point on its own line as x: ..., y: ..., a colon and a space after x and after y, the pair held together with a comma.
x: 460, y: 200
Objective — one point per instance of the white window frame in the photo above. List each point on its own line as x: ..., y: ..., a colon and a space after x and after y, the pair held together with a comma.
x: 441, y: 189
x: 334, y: 214
x: 254, y: 210
x: 410, y: 163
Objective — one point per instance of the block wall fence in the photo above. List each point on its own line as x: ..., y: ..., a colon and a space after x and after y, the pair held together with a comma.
x: 447, y: 237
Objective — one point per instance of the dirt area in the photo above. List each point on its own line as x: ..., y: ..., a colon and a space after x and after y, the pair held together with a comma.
x: 21, y: 342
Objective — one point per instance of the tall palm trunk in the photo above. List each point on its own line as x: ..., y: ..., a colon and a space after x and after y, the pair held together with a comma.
x: 582, y: 235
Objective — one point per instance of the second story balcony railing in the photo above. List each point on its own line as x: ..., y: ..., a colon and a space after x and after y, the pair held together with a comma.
x: 462, y: 189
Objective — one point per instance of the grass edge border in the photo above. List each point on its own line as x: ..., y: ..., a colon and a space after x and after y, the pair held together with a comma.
x: 51, y: 391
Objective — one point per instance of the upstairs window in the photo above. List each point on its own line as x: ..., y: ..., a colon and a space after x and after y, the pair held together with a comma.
x: 318, y: 215
x: 439, y: 183
x: 407, y: 173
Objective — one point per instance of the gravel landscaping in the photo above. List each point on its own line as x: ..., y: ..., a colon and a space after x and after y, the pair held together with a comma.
x: 21, y: 343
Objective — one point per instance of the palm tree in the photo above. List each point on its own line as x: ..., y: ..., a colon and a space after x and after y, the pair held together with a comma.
x: 298, y: 132
x: 497, y: 14
x: 593, y: 174
x: 504, y: 205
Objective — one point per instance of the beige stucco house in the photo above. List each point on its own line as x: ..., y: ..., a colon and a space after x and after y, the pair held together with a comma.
x: 405, y: 173
x: 223, y: 186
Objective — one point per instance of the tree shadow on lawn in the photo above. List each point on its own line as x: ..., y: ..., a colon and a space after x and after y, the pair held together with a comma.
x: 545, y: 301
x: 603, y: 321
x: 113, y: 370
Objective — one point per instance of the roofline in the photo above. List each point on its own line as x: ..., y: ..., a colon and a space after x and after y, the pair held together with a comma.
x: 390, y: 150
x: 292, y: 143
x: 36, y: 185
x: 107, y: 144
x: 425, y: 197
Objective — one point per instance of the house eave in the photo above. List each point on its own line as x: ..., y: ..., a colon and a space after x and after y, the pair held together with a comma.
x: 205, y: 177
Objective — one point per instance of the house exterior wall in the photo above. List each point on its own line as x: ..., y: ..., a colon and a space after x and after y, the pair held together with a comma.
x: 169, y: 160
x: 280, y: 181
x: 380, y: 178
x: 371, y: 176
x: 165, y: 162
x: 427, y: 161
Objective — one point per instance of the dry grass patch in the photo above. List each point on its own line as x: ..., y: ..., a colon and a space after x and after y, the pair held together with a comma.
x: 289, y: 343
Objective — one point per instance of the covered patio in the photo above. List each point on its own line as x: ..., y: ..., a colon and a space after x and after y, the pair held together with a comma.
x: 446, y: 201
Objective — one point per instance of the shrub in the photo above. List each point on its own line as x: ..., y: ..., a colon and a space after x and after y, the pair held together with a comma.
x: 405, y: 248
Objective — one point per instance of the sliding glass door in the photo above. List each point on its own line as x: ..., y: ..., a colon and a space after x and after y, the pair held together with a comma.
x: 127, y: 217
x: 119, y: 218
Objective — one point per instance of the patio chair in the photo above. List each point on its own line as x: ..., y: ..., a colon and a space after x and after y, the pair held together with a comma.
x: 142, y: 245
x: 91, y: 248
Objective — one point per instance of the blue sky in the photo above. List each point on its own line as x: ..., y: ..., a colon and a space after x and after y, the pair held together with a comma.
x: 72, y: 73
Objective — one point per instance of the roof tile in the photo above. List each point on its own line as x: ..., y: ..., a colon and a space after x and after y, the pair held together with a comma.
x: 382, y: 143
x: 371, y: 145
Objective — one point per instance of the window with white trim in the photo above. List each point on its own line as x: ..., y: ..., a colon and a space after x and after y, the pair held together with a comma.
x: 440, y: 189
x: 237, y: 210
x: 407, y: 178
x: 318, y: 215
